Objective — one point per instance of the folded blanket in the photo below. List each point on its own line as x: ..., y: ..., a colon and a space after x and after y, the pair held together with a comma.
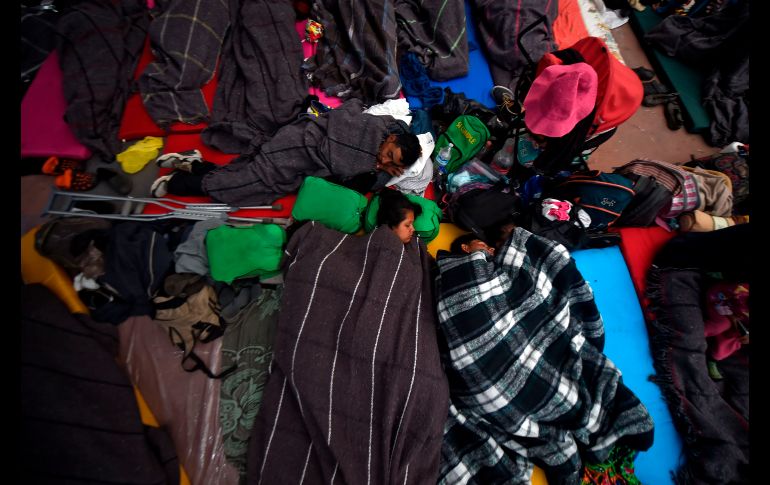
x: 528, y: 380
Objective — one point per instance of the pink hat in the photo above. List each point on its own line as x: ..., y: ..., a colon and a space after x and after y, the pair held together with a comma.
x: 559, y: 98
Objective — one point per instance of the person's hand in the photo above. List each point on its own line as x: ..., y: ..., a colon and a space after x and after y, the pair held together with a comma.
x: 392, y: 170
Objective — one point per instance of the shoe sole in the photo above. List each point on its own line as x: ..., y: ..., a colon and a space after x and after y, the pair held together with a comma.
x: 159, y: 188
x: 171, y: 160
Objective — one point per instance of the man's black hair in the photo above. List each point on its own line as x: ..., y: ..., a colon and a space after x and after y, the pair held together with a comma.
x: 457, y: 245
x: 410, y: 148
x: 393, y: 207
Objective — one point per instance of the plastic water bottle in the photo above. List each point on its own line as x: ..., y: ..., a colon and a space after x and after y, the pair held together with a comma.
x: 443, y: 156
x: 503, y: 159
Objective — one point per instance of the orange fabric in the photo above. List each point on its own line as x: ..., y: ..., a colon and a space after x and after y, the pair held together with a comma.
x: 538, y: 477
x: 569, y: 26
x: 64, y: 181
x: 144, y: 410
x: 36, y: 268
x: 50, y: 167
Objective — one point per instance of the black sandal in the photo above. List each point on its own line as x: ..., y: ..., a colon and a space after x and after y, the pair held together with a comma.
x: 673, y: 114
x: 655, y: 87
x: 644, y: 74
x: 658, y: 99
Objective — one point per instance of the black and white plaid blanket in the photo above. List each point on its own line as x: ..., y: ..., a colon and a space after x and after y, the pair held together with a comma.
x: 528, y: 381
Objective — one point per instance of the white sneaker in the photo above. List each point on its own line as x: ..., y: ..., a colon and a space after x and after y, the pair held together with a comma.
x: 159, y: 188
x: 180, y: 161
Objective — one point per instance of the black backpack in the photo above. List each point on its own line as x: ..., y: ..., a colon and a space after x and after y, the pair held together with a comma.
x: 479, y: 210
x: 649, y: 199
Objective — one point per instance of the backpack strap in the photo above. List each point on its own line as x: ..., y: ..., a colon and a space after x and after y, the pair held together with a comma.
x: 198, y: 363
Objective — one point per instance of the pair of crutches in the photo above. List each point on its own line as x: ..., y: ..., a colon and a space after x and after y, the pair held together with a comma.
x: 66, y: 204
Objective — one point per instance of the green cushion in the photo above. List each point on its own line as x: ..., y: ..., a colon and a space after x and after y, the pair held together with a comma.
x: 426, y: 225
x: 332, y: 205
x: 245, y: 251
x: 684, y: 79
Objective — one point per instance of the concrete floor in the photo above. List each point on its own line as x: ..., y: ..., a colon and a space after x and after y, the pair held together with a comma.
x: 645, y: 134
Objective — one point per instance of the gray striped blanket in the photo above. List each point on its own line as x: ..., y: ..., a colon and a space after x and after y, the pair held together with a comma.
x: 528, y: 380
x: 99, y: 44
x: 356, y: 392
x: 186, y: 39
x: 356, y: 57
x: 260, y: 85
x: 436, y: 32
x: 501, y: 22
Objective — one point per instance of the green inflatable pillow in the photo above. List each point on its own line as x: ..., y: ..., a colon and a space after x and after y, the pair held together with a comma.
x: 332, y: 205
x: 245, y: 251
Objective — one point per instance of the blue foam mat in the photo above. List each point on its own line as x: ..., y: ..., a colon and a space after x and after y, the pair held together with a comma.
x: 627, y: 345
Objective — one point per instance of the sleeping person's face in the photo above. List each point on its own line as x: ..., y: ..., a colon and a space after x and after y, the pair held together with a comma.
x: 405, y: 229
x: 478, y: 245
x: 389, y: 158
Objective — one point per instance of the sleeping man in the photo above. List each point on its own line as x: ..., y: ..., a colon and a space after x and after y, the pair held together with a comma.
x: 356, y: 149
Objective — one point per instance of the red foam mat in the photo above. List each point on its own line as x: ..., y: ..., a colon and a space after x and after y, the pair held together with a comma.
x: 639, y: 246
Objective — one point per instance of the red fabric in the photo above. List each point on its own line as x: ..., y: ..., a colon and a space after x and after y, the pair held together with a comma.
x: 136, y: 122
x: 43, y: 129
x: 430, y: 193
x: 569, y: 26
x: 180, y: 143
x: 639, y: 246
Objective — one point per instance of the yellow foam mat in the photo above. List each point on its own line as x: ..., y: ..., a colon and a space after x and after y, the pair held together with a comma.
x: 447, y: 233
x: 36, y: 268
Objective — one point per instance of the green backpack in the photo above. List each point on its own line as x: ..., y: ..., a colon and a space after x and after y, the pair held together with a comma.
x: 468, y: 134
x: 334, y: 206
x: 426, y: 225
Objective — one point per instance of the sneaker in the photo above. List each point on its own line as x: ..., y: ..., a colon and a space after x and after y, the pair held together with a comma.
x: 159, y: 188
x: 504, y: 99
x: 180, y: 161
x: 318, y: 107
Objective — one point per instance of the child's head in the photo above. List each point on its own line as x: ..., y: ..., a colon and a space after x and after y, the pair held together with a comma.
x: 398, y: 213
x: 468, y: 243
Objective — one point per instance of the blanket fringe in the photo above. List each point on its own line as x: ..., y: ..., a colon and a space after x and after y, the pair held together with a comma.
x: 662, y: 338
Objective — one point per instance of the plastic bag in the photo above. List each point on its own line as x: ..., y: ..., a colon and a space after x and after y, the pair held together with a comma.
x: 474, y: 174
